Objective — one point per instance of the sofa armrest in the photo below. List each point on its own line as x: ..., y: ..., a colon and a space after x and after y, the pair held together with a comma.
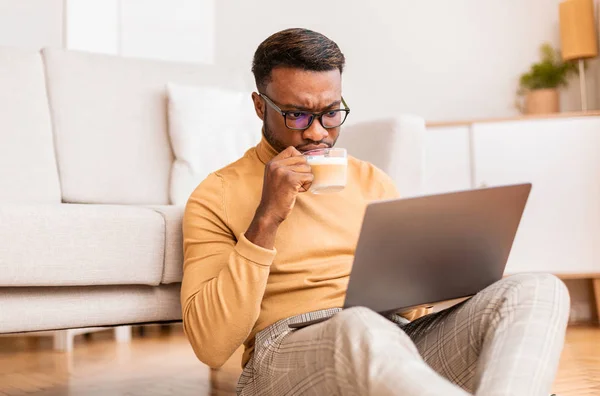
x: 80, y: 245
x: 395, y: 145
x: 173, y: 216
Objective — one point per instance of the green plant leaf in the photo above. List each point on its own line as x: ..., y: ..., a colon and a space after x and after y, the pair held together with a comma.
x: 550, y: 72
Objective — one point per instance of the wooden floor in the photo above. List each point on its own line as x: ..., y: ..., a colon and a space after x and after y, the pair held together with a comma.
x: 162, y: 363
x: 579, y: 369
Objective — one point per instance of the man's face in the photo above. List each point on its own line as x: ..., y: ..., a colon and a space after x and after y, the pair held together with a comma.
x: 297, y: 89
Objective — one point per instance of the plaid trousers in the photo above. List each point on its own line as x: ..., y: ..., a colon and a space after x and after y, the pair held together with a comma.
x: 505, y: 340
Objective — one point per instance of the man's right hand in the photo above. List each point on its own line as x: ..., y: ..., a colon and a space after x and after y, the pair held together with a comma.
x: 286, y: 175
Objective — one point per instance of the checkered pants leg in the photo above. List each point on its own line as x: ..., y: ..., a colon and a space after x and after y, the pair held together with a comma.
x: 506, y: 340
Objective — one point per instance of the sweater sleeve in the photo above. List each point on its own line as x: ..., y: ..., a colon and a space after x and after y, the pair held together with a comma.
x: 224, y: 279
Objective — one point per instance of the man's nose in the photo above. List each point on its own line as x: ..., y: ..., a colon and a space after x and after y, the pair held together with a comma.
x: 315, y: 132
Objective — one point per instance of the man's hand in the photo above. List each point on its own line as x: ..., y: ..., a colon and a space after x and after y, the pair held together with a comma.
x: 286, y: 175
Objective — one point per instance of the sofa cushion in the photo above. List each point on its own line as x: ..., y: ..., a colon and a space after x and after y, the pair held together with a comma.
x: 27, y: 164
x: 55, y: 308
x: 173, y: 267
x: 80, y: 245
x: 110, y: 124
x: 209, y: 128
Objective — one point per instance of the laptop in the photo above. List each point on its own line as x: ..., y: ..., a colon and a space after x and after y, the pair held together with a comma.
x: 419, y: 251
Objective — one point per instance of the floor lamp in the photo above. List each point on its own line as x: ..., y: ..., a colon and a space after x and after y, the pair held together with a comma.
x: 578, y: 37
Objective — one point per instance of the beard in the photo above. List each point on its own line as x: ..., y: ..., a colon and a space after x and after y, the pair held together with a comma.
x: 270, y: 137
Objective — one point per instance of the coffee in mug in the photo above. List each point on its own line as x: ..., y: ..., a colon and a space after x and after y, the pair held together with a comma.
x: 329, y: 169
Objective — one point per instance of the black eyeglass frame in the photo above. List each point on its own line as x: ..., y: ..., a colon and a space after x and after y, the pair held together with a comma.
x: 313, y: 116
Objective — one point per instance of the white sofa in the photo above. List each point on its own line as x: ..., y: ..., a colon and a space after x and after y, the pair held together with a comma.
x: 87, y: 233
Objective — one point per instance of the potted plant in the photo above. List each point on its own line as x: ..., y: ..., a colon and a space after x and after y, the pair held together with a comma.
x: 540, y: 84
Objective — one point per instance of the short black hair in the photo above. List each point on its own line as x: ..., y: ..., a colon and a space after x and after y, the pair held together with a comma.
x: 297, y: 48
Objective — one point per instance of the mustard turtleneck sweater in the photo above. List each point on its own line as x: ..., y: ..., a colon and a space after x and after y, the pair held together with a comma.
x: 232, y: 289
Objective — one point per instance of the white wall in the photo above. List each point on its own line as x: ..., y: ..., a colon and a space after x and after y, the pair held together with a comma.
x: 441, y: 59
x: 173, y: 30
x: 168, y: 29
x: 31, y: 24
x: 93, y: 25
x: 444, y: 60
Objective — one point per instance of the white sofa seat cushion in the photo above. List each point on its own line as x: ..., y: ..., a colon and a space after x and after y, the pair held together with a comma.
x: 173, y: 266
x: 27, y: 164
x: 55, y: 308
x: 110, y: 123
x: 80, y: 245
x: 209, y: 128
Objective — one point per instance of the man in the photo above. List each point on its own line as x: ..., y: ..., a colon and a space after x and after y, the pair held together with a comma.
x: 260, y: 251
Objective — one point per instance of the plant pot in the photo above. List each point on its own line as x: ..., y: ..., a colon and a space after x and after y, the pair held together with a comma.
x: 542, y: 101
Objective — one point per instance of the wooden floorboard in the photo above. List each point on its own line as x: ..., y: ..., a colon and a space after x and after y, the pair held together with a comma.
x: 579, y: 368
x: 162, y: 363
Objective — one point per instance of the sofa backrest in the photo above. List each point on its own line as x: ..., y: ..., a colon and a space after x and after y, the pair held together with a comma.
x: 395, y: 145
x: 27, y: 163
x: 110, y: 123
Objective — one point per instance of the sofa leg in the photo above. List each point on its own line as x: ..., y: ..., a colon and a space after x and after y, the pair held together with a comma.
x: 63, y: 340
x: 596, y: 287
x: 123, y: 334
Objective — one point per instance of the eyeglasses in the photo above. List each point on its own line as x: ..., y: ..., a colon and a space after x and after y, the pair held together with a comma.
x: 301, y: 120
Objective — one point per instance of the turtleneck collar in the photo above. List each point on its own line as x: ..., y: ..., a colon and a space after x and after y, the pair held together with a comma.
x: 265, y: 151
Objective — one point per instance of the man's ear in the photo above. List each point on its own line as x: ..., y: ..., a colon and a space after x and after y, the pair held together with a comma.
x: 259, y: 105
